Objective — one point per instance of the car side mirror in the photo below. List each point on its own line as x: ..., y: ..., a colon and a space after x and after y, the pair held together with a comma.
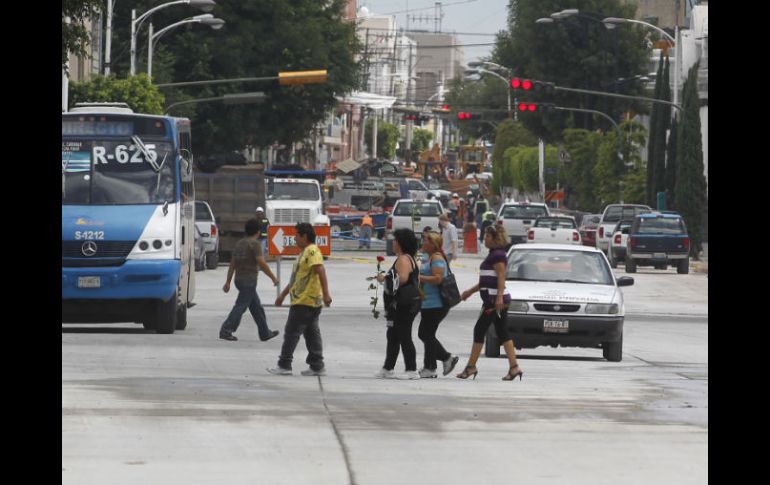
x: 625, y: 281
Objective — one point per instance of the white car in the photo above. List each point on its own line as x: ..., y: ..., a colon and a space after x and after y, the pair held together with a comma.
x: 207, y: 225
x: 554, y: 230
x: 416, y: 215
x: 617, y: 250
x: 562, y: 295
x: 518, y: 217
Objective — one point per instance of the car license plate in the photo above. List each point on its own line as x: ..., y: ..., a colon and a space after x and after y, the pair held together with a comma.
x: 556, y: 326
x: 89, y: 282
x: 659, y: 255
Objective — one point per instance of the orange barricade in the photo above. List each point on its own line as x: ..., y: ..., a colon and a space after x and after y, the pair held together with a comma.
x: 469, y: 238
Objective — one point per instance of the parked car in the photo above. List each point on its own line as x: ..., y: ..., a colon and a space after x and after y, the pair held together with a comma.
x: 588, y: 227
x: 562, y: 295
x: 617, y: 250
x: 658, y: 240
x: 199, y: 251
x: 207, y: 224
x: 518, y: 217
x: 554, y: 230
x: 613, y: 214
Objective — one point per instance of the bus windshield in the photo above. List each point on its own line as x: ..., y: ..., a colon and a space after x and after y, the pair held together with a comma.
x: 117, y: 172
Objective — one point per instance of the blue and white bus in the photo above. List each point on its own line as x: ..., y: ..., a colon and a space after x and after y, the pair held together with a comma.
x: 128, y: 221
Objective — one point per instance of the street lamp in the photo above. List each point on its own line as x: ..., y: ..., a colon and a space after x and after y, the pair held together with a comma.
x: 611, y: 22
x: 205, y: 19
x: 480, y: 70
x: 136, y: 22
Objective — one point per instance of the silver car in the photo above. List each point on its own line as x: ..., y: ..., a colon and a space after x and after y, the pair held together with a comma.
x: 207, y: 224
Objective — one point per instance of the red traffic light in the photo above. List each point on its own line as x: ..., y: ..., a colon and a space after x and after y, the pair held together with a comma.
x: 518, y: 83
x: 445, y: 107
x: 532, y: 107
x: 464, y: 115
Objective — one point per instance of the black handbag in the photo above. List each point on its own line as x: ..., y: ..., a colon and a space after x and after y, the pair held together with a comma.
x: 450, y: 293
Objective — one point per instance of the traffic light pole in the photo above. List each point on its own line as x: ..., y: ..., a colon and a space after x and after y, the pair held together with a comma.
x: 614, y: 95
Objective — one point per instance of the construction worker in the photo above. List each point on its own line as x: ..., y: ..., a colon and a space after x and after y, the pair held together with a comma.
x: 264, y: 223
x: 365, y: 232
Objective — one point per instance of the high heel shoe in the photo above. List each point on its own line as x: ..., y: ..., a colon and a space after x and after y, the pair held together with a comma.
x: 470, y: 370
x: 512, y: 375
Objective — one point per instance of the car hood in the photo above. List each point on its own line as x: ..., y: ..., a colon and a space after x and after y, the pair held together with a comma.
x: 563, y: 292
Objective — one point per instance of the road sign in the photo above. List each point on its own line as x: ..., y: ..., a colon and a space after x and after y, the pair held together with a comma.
x: 281, y: 240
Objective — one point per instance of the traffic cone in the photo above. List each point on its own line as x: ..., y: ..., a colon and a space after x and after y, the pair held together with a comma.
x: 469, y: 238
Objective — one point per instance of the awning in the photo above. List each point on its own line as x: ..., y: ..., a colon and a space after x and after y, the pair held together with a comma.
x: 369, y: 100
x: 347, y: 166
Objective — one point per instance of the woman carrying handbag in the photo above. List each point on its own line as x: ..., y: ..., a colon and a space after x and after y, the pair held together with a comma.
x: 402, y: 304
x: 432, y: 272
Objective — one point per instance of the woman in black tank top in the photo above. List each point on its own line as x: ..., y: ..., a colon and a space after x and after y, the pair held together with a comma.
x: 402, y: 304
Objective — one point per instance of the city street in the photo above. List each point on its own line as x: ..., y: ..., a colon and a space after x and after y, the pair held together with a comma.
x: 138, y: 407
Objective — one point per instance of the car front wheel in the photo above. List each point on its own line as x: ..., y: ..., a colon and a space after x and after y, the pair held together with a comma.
x: 613, y: 351
x: 212, y: 260
x: 684, y: 266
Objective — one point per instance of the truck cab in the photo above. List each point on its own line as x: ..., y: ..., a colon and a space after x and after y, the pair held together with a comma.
x: 292, y: 200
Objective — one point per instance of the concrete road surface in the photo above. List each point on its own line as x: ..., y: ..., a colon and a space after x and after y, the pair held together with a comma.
x: 188, y: 408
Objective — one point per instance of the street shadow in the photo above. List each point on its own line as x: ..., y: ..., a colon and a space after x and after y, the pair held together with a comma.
x: 574, y: 358
x: 105, y: 330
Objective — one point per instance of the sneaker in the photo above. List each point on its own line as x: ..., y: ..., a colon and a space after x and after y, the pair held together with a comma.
x: 273, y: 333
x: 428, y: 373
x: 385, y: 374
x: 450, y: 364
x: 279, y: 371
x: 228, y: 336
x: 410, y: 374
x: 311, y: 372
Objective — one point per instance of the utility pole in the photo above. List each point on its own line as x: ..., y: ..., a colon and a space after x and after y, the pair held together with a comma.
x: 108, y: 39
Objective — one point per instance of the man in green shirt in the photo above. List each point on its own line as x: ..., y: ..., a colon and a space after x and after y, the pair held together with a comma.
x: 308, y: 289
x: 245, y: 262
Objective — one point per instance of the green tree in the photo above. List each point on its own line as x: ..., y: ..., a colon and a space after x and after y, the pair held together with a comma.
x: 74, y: 36
x: 421, y: 139
x: 634, y: 182
x: 524, y: 165
x: 573, y: 52
x: 690, y: 181
x: 387, y: 138
x: 671, y: 165
x: 137, y: 91
x: 655, y: 120
x: 260, y: 39
x: 582, y: 146
x: 656, y: 164
x: 508, y: 134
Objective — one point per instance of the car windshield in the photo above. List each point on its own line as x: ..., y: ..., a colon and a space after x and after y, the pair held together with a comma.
x: 622, y: 226
x: 617, y: 212
x: 114, y: 172
x: 202, y: 212
x: 591, y: 221
x: 560, y: 222
x: 562, y: 266
x: 524, y: 212
x: 417, y: 208
x: 659, y: 225
x: 292, y: 191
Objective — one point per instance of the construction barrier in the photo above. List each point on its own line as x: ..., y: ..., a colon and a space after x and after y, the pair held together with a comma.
x: 470, y: 245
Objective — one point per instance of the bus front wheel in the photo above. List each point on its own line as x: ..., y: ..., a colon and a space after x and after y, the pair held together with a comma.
x: 163, y: 319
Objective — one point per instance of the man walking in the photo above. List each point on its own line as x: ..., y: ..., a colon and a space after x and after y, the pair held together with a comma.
x: 245, y: 263
x: 449, y: 235
x: 308, y: 289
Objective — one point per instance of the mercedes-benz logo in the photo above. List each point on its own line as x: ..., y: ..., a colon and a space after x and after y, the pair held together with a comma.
x: 556, y: 308
x: 88, y: 248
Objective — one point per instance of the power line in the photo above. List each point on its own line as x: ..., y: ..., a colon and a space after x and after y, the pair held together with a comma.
x: 427, y: 8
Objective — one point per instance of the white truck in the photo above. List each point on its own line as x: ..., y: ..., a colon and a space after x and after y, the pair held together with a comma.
x: 554, y: 230
x: 518, y: 217
x: 413, y: 214
x: 613, y: 214
x: 292, y: 200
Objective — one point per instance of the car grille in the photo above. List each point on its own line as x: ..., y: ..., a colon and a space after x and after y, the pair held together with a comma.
x: 554, y: 307
x: 91, y: 263
x: 291, y: 216
x: 104, y: 249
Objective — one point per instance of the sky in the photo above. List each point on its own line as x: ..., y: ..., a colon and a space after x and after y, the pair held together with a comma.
x: 461, y: 16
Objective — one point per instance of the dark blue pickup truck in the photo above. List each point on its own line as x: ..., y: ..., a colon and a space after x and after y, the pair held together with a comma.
x: 658, y: 240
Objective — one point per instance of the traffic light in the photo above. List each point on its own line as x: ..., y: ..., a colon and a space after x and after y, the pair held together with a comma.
x: 465, y: 116
x: 443, y: 109
x: 417, y: 119
x: 536, y: 107
x: 532, y: 85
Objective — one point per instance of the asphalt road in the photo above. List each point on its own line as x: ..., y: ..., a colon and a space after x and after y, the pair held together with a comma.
x: 189, y: 408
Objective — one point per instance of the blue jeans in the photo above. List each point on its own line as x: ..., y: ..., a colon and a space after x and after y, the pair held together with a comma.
x: 365, y: 237
x: 247, y: 299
